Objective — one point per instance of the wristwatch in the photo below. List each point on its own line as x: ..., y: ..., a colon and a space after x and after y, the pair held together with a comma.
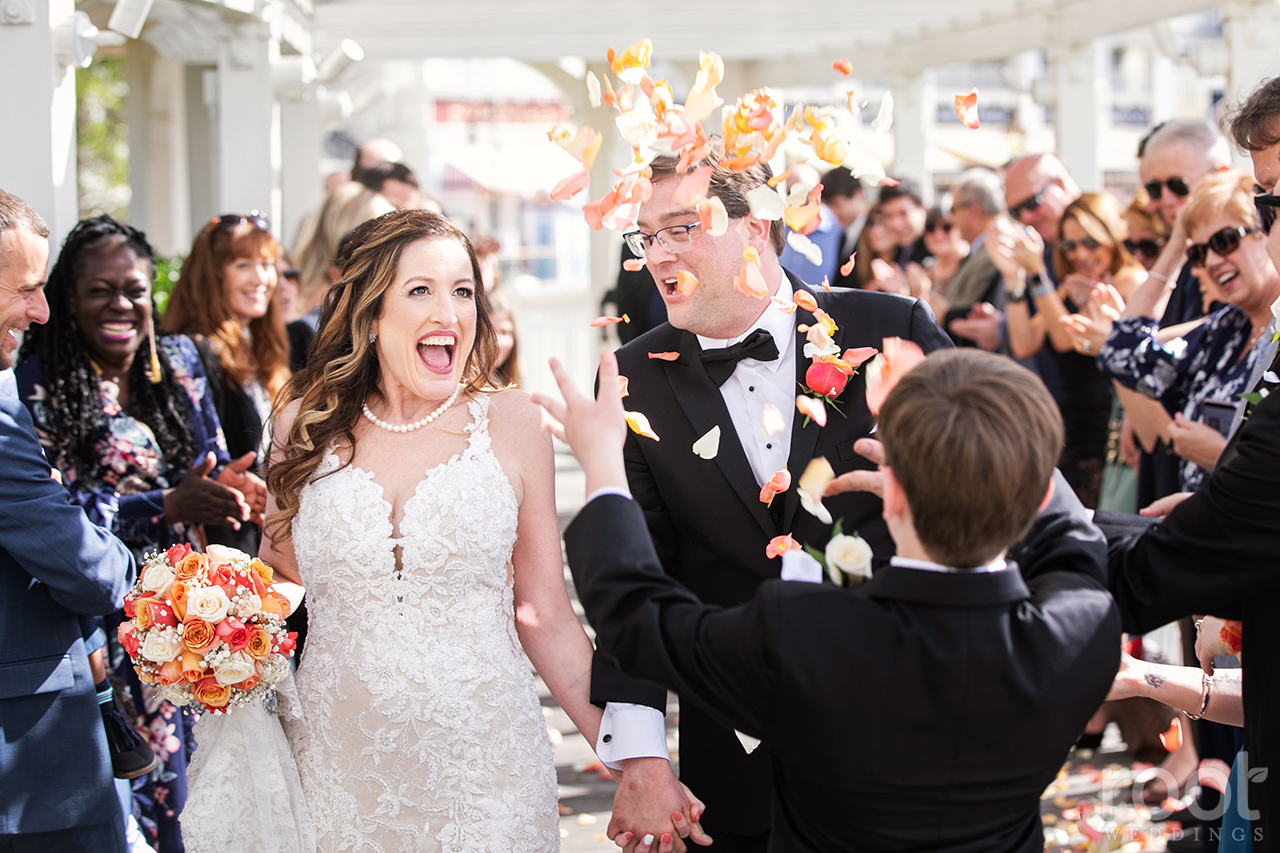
x: 1019, y: 295
x: 1038, y: 286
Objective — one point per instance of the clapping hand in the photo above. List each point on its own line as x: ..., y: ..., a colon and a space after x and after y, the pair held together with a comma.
x: 199, y: 500
x: 982, y: 326
x: 1091, y: 327
x: 238, y: 476
x: 886, y: 278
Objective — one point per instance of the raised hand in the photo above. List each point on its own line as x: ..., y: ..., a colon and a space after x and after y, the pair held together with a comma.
x: 861, y: 481
x: 593, y: 429
x: 200, y: 500
x: 982, y: 326
x: 887, y: 278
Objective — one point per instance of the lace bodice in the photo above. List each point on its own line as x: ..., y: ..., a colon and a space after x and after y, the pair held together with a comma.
x: 423, y: 728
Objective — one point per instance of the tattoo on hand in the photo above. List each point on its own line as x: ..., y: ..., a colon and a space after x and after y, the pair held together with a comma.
x: 1154, y: 680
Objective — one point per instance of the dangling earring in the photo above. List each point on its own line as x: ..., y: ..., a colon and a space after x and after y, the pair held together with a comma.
x: 154, y: 373
x: 373, y: 336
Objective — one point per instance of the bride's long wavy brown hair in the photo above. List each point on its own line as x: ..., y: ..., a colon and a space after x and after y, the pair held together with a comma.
x: 343, y: 371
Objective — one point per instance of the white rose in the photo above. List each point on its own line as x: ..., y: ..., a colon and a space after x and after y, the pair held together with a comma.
x: 209, y: 604
x: 851, y: 555
x: 273, y: 668
x: 157, y: 577
x: 161, y: 646
x: 223, y: 554
x: 249, y: 607
x: 178, y: 694
x: 234, y: 669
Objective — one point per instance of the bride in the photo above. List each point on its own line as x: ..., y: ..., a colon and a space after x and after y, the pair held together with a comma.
x: 418, y: 510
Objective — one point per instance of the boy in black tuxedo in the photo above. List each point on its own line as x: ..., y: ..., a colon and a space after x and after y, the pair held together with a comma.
x: 930, y: 707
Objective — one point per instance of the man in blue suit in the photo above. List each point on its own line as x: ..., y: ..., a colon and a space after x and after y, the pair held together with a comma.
x: 56, y: 789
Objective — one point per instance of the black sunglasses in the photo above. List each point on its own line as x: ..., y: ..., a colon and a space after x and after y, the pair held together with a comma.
x: 291, y: 275
x: 1069, y: 246
x: 1177, y: 186
x: 943, y: 226
x: 230, y: 221
x: 1266, y: 204
x: 1222, y: 242
x: 1028, y: 205
x: 1146, y: 246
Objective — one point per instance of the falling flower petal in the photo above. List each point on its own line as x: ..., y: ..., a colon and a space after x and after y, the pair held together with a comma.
x: 851, y: 103
x: 771, y: 421
x: 571, y: 185
x: 609, y: 321
x: 635, y: 56
x: 709, y: 445
x: 780, y: 545
x: 864, y: 167
x: 623, y: 391
x: 685, y: 282
x: 583, y: 144
x: 640, y: 425
x: 883, y: 372
x: 884, y: 117
x: 749, y: 282
x: 847, y: 266
x: 692, y: 187
x: 633, y: 264
x: 813, y: 483
x: 777, y: 179
x: 665, y: 356
x: 804, y: 219
x: 712, y: 217
x: 967, y: 109
x: 1172, y: 739
x: 778, y: 483
x: 812, y: 408
x: 765, y: 203
x: 806, y: 301
x: 826, y: 284
x: 703, y: 100
x: 858, y: 355
x: 844, y: 66
x: 819, y: 343
x: 783, y: 305
x: 593, y: 89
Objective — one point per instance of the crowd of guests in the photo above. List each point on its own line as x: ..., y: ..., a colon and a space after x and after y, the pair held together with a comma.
x: 1149, y: 319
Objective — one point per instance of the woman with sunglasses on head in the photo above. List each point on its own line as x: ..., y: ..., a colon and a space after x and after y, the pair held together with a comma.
x: 127, y: 419
x: 1213, y: 362
x: 224, y: 300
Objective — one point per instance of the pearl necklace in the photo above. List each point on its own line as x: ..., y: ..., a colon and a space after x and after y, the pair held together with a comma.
x: 440, y: 410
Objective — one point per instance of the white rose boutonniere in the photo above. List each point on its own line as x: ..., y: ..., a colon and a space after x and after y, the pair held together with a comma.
x: 847, y: 558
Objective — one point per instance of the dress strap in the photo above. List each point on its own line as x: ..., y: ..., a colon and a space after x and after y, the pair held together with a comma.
x: 478, y: 406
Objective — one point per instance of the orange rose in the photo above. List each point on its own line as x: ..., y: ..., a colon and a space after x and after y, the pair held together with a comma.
x: 190, y: 567
x: 191, y: 670
x: 207, y: 691
x: 198, y: 636
x: 259, y: 644
x: 274, y: 602
x: 130, y: 604
x: 152, y: 612
x: 262, y: 570
x: 170, y: 672
x: 249, y: 683
x: 143, y: 676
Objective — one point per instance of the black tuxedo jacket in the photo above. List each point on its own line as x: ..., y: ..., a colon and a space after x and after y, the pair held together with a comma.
x: 921, y: 711
x: 1218, y: 552
x: 709, y: 526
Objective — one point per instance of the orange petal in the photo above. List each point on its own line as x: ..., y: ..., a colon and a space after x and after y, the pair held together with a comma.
x: 806, y: 301
x: 665, y: 356
x: 804, y: 219
x: 883, y: 372
x: 851, y: 103
x: 844, y: 66
x: 635, y: 56
x: 633, y: 264
x: 623, y: 382
x: 812, y: 408
x: 967, y: 109
x: 571, y: 186
x: 826, y: 284
x: 703, y: 100
x: 783, y: 305
x: 609, y: 321
x: 777, y: 179
x: 858, y: 355
x: 712, y: 217
x: 778, y: 483
x: 640, y: 425
x: 780, y: 545
x: 1172, y: 739
x: 692, y: 187
x: 749, y: 282
x: 847, y: 266
x: 685, y: 282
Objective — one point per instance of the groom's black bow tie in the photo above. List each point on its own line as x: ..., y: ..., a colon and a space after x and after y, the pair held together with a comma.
x: 720, y: 363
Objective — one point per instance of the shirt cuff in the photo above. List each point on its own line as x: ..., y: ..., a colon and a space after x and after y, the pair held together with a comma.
x: 630, y: 731
x: 609, y: 490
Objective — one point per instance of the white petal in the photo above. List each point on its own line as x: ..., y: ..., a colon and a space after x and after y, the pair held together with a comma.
x: 771, y: 421
x: 709, y: 445
x: 765, y: 203
x: 806, y: 247
x: 748, y: 742
x: 593, y: 89
x: 884, y: 118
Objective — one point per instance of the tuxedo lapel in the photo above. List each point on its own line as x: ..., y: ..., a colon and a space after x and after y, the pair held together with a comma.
x: 803, y: 438
x: 704, y: 406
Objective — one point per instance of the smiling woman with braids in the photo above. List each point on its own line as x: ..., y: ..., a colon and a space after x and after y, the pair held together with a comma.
x: 133, y: 432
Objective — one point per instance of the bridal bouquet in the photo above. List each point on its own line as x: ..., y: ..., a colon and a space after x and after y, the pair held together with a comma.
x: 207, y: 628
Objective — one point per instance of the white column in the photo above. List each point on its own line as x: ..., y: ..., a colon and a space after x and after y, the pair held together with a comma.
x: 1250, y: 31
x: 38, y: 103
x: 247, y: 139
x: 1077, y: 116
x: 914, y: 110
x: 158, y: 158
x: 300, y: 178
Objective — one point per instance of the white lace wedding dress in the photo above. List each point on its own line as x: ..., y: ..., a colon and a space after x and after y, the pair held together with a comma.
x: 422, y: 727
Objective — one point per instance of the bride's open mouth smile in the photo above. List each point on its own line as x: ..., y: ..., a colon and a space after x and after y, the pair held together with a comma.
x: 437, y: 350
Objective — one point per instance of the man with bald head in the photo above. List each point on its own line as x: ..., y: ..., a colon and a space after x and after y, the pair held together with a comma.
x: 1037, y: 189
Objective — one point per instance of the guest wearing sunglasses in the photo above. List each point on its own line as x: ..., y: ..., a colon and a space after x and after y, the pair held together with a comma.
x: 225, y: 300
x: 945, y: 244
x: 1215, y: 360
x: 1037, y: 189
x: 1147, y: 231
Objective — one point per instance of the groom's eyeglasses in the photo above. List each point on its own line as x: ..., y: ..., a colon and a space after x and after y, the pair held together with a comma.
x: 1222, y: 242
x: 674, y: 238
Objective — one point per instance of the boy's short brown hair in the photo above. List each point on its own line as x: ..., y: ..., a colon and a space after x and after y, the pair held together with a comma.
x: 973, y: 439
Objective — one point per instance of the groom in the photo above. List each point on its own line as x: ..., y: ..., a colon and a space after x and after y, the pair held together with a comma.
x: 900, y: 713
x: 725, y: 358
